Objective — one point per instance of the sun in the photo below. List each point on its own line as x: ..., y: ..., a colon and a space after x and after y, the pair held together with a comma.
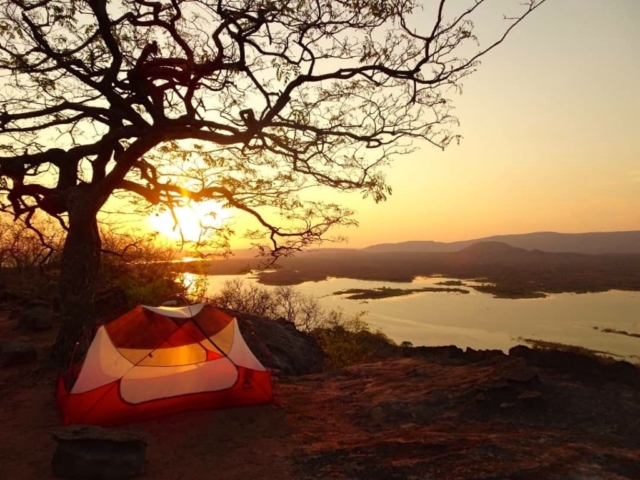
x: 191, y: 217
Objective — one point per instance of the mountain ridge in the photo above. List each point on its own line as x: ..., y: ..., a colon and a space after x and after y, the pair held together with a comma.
x: 623, y: 242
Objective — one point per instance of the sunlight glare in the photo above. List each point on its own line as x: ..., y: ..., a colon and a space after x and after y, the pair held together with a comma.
x: 191, y: 217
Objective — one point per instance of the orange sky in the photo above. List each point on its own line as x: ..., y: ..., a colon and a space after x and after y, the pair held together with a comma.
x: 550, y: 138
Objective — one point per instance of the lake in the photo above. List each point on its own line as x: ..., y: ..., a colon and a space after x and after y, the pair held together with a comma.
x: 479, y: 321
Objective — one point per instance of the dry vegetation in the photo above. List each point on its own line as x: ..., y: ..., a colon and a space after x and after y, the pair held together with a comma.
x: 137, y: 263
x: 345, y: 340
x: 144, y: 270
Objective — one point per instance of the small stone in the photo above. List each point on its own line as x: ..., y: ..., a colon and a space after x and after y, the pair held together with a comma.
x: 408, y: 426
x: 377, y: 414
x: 531, y: 397
x: 481, y: 397
x: 529, y: 394
x: 507, y: 405
x: 36, y: 319
x: 87, y: 452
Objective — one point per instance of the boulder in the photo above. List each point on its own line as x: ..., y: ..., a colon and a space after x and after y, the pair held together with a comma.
x: 561, y: 360
x: 7, y: 295
x: 87, y: 452
x: 278, y: 344
x: 623, y: 372
x: 36, y: 303
x: 16, y: 352
x: 440, y: 352
x: 579, y: 364
x: 517, y: 371
x: 35, y: 319
x: 522, y: 351
x: 483, y: 355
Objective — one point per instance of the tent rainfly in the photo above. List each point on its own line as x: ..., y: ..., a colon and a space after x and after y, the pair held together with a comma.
x: 156, y: 361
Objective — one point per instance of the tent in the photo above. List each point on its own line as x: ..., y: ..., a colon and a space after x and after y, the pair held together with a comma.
x: 156, y: 361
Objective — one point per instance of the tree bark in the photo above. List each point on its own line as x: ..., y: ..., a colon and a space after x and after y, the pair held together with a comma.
x: 78, y: 278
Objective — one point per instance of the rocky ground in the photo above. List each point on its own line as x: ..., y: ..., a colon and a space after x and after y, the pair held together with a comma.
x: 447, y: 419
x: 435, y: 413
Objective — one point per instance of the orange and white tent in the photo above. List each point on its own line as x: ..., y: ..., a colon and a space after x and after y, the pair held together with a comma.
x: 156, y: 361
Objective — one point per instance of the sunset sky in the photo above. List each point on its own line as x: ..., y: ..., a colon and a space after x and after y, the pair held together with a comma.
x: 550, y: 138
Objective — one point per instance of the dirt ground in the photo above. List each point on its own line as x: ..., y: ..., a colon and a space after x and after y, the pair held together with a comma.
x: 241, y: 443
x: 408, y: 418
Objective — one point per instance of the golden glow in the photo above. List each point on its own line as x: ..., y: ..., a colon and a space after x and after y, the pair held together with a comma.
x: 192, y: 219
x: 544, y: 149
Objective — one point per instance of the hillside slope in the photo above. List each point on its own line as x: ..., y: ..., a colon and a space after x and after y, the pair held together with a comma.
x: 449, y: 418
x: 590, y: 243
x: 438, y: 413
x: 515, y: 272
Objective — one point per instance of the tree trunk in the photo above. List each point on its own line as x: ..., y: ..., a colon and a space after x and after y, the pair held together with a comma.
x: 78, y: 277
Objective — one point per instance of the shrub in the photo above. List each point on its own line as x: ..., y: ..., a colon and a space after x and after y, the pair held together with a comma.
x: 146, y: 270
x: 28, y: 257
x: 349, y: 341
x: 346, y: 340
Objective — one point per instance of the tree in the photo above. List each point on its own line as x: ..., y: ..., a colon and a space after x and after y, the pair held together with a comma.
x: 247, y: 102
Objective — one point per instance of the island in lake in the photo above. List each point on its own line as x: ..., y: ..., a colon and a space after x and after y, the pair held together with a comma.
x: 387, y: 292
x: 505, y: 271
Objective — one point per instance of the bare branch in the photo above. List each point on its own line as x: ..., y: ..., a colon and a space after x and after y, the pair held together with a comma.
x: 245, y: 103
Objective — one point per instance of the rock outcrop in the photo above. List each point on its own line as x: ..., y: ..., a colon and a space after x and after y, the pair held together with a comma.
x: 578, y: 364
x: 448, y: 415
x: 278, y: 344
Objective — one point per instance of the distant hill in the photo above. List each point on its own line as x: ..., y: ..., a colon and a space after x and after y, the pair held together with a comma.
x: 491, y: 248
x: 590, y: 243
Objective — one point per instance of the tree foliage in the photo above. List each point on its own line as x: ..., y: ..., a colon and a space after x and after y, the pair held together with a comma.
x: 247, y: 102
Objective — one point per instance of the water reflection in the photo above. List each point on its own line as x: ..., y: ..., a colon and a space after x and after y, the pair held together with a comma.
x: 479, y: 321
x: 194, y: 286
